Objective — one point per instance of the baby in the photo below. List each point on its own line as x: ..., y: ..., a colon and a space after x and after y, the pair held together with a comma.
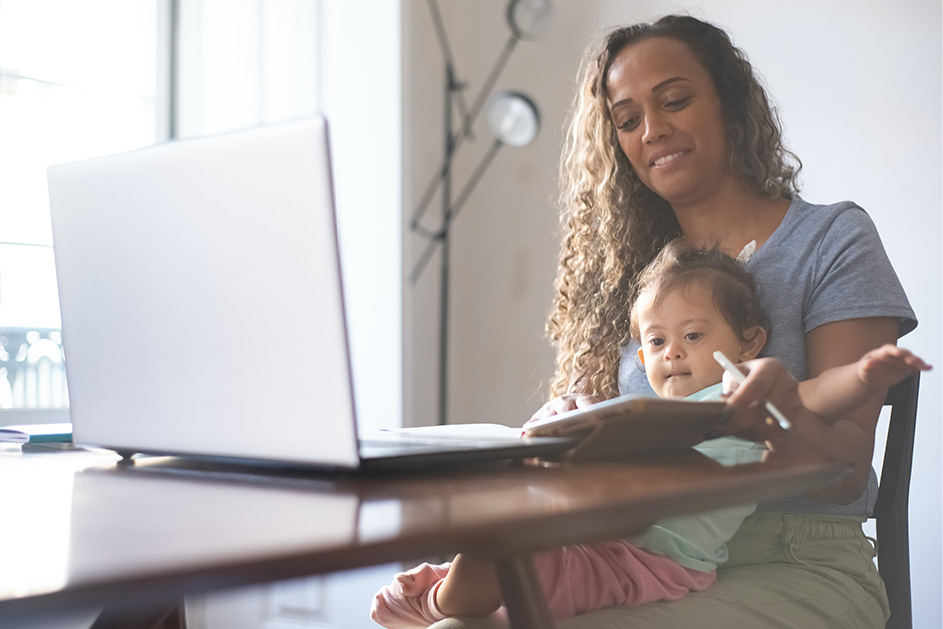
x: 690, y: 303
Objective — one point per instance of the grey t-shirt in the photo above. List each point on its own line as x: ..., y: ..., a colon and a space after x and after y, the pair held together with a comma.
x: 824, y: 263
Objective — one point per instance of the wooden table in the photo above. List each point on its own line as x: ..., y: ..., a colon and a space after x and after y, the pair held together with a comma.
x: 80, y: 529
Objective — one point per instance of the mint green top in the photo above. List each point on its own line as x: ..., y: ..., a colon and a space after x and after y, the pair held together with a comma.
x: 699, y: 541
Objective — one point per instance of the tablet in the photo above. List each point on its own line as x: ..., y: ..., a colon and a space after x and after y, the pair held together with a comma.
x: 633, y: 424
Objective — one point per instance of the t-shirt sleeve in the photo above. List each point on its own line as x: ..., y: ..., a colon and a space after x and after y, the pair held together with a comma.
x: 853, y: 277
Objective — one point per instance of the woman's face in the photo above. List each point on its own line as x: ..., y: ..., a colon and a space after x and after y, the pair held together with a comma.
x: 668, y: 115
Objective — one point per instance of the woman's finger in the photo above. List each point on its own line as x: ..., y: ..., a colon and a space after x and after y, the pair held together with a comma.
x: 562, y: 404
x: 767, y: 380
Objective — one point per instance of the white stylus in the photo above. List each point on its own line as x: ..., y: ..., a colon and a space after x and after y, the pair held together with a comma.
x: 732, y: 369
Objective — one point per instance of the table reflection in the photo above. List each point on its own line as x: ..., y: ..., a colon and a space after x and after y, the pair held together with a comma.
x: 37, y: 544
x: 85, y: 524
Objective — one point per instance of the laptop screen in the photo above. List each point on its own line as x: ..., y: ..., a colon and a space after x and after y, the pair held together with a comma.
x: 201, y: 298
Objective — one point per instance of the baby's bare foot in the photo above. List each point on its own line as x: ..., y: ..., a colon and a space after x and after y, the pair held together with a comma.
x: 409, y: 601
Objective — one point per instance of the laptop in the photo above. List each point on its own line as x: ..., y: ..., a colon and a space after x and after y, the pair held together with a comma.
x: 203, y: 311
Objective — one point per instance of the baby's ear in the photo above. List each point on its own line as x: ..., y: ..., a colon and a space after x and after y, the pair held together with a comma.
x: 754, y: 340
x: 641, y: 355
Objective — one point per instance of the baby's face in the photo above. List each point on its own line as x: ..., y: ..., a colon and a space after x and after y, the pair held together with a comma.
x: 679, y: 335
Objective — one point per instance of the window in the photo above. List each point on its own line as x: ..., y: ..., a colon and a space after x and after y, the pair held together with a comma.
x: 93, y: 78
x: 76, y: 80
x: 245, y: 63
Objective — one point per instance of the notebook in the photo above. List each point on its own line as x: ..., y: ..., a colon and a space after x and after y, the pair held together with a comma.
x: 633, y: 424
x: 203, y: 312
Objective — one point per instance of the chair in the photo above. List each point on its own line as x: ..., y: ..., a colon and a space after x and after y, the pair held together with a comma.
x: 891, y: 509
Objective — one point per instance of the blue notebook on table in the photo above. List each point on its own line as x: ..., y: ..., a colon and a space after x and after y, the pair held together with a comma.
x: 36, y: 433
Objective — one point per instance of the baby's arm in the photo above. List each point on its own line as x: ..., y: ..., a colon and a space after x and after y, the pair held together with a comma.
x: 840, y: 390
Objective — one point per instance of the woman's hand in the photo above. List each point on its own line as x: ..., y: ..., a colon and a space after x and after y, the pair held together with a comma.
x: 562, y: 404
x: 847, y: 436
x: 767, y: 380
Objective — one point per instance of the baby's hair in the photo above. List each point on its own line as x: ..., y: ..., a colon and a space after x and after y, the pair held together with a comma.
x: 679, y: 265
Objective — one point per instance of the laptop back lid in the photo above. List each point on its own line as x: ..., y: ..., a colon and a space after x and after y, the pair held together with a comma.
x: 201, y: 299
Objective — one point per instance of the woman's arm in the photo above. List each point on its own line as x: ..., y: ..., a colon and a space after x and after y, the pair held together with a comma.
x: 849, y: 438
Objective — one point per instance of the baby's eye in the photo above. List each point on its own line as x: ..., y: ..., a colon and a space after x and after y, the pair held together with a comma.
x: 693, y: 336
x: 656, y: 342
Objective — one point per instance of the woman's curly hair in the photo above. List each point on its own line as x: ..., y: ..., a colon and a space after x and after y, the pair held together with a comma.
x: 612, y: 224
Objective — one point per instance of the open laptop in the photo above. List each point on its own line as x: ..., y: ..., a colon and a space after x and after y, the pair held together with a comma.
x: 203, y: 312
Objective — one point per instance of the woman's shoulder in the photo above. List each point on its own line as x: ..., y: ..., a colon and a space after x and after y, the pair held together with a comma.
x: 799, y: 208
x: 812, y: 236
x: 815, y: 219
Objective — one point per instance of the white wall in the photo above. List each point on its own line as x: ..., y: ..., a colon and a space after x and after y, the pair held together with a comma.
x: 858, y: 83
x: 360, y: 94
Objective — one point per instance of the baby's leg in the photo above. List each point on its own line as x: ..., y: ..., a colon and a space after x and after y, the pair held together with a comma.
x: 574, y: 579
x: 427, y: 593
x: 584, y: 577
x: 470, y: 589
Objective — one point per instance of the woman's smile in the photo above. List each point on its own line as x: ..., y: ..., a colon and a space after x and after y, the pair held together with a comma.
x: 664, y: 160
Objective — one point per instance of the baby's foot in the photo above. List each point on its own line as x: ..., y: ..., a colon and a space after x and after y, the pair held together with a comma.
x: 409, y: 601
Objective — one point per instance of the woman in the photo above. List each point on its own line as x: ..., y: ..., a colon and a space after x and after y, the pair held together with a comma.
x: 670, y: 135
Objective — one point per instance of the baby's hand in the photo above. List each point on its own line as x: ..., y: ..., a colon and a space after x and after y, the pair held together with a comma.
x: 888, y: 365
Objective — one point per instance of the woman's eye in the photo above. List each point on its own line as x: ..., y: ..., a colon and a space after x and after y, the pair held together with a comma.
x: 692, y: 336
x: 675, y: 104
x: 629, y: 124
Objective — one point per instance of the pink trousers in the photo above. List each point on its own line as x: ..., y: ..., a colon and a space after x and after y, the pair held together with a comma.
x: 581, y: 578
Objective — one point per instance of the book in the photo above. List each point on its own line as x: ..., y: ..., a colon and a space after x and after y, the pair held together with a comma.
x: 633, y: 424
x: 36, y: 433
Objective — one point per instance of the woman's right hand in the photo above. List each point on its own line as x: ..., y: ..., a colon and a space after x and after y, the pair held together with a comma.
x: 767, y: 380
x: 562, y: 404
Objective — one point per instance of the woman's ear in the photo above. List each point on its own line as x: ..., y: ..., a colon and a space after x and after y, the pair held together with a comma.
x: 641, y: 355
x: 754, y: 340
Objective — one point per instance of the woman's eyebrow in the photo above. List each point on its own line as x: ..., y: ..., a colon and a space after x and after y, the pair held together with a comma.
x: 657, y: 88
x: 668, y: 82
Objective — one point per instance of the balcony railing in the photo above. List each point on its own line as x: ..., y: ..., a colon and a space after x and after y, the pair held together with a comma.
x: 32, y: 369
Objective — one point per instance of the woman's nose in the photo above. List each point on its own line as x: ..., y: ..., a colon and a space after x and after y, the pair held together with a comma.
x: 655, y: 127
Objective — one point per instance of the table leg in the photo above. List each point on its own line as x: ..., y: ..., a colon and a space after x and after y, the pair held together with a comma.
x: 163, y: 618
x: 523, y: 597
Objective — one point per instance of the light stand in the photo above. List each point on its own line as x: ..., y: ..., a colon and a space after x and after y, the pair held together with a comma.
x: 513, y: 120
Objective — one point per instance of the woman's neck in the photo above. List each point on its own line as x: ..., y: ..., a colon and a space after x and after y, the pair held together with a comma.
x: 730, y: 221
